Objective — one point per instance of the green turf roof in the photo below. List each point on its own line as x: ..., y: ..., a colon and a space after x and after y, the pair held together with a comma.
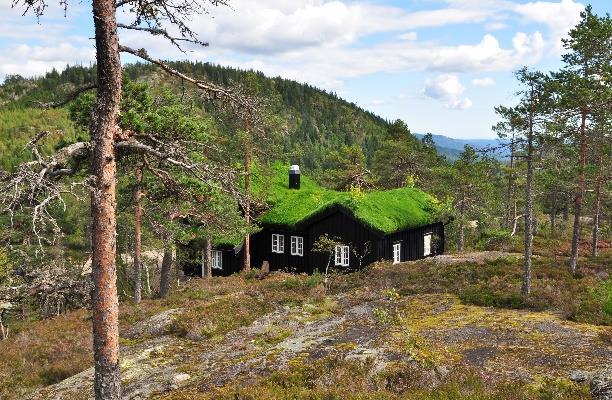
x: 386, y: 211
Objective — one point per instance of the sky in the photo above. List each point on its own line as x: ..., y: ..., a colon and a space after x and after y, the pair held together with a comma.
x: 439, y: 65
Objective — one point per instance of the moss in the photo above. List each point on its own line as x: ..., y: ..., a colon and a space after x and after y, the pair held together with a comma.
x: 272, y: 336
x: 386, y: 211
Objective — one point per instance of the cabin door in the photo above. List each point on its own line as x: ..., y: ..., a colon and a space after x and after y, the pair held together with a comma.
x: 427, y: 244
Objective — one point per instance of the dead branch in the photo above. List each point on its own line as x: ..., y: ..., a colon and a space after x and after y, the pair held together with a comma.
x: 164, y: 33
x: 71, y: 96
x: 238, y: 101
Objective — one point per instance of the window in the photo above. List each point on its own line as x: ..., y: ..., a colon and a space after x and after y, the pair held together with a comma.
x: 297, y: 246
x: 397, y: 253
x: 342, y: 256
x: 216, y: 259
x: 278, y: 243
x: 427, y: 244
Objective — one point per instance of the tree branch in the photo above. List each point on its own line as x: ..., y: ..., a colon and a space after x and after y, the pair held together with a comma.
x: 162, y: 32
x: 71, y: 96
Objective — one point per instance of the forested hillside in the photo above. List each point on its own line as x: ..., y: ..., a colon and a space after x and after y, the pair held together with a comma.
x: 314, y: 121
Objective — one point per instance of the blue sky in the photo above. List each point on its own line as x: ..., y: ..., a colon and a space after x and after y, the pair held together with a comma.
x: 440, y: 65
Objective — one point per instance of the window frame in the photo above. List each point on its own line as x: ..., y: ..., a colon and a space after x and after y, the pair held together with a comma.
x: 397, y: 246
x: 298, y: 241
x: 216, y: 259
x: 278, y: 243
x: 342, y: 258
x: 430, y: 234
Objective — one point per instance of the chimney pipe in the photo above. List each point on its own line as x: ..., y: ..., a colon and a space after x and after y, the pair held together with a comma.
x: 294, y: 177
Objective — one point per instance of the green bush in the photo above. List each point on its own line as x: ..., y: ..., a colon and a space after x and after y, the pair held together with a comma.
x: 594, y: 306
x: 495, y: 239
x: 482, y: 295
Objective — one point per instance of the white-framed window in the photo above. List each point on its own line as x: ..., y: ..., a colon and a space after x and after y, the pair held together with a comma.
x: 427, y: 244
x: 397, y: 253
x: 278, y: 243
x: 297, y: 246
x: 216, y: 258
x: 342, y: 256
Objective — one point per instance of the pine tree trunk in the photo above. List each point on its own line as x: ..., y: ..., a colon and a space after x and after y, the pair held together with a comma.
x: 526, y: 286
x: 596, y: 213
x: 573, y: 261
x: 105, y: 307
x: 166, y: 267
x: 511, y: 203
x: 138, y: 238
x: 209, y: 258
x: 462, y: 225
x: 553, y: 222
x: 247, y: 193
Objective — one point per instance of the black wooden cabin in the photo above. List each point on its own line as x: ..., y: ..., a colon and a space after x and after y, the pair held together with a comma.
x: 289, y: 248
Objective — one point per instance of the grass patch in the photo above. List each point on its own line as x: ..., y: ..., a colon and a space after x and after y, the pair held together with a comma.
x: 586, y: 297
x: 44, y: 353
x: 387, y: 211
x: 336, y: 378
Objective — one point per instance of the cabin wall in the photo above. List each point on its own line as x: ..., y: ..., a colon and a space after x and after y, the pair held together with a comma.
x: 351, y: 233
x: 190, y: 260
x: 412, y: 242
x: 338, y: 224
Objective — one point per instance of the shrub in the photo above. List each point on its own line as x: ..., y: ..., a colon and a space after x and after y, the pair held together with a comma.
x: 495, y: 239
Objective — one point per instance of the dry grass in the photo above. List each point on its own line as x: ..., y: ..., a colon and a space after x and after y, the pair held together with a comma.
x: 44, y: 352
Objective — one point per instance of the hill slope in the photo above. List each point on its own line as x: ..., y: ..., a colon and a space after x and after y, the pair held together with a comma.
x: 406, y: 331
x: 316, y: 121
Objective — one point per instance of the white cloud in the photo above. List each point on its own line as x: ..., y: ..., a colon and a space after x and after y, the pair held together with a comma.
x: 559, y: 17
x: 448, y: 89
x: 408, y: 36
x: 29, y: 60
x: 495, y: 26
x: 321, y: 41
x: 486, y: 81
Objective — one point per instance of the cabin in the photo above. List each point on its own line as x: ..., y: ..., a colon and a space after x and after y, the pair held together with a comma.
x: 395, y: 225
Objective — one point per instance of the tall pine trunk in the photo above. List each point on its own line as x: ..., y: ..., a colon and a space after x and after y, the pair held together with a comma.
x: 526, y: 286
x: 247, y: 195
x: 208, y: 257
x: 105, y: 307
x: 462, y: 224
x: 206, y: 267
x: 597, y: 210
x: 511, y: 204
x: 166, y: 268
x: 138, y: 237
x: 573, y: 261
x: 553, y: 223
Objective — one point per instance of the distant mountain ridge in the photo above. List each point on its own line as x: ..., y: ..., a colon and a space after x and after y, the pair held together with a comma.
x: 452, y: 147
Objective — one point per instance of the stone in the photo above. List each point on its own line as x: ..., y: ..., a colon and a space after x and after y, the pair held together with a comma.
x: 265, y: 267
x: 579, y: 376
x: 178, y: 378
x: 601, y: 385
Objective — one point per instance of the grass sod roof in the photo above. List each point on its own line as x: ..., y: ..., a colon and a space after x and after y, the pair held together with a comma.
x: 385, y: 211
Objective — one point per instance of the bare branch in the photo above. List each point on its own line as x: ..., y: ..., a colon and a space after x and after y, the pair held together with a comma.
x: 238, y: 101
x: 162, y: 32
x: 71, y: 96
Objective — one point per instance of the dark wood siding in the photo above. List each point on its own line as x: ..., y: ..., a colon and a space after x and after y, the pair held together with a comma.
x: 190, y: 259
x: 336, y: 224
x: 412, y: 242
x: 350, y: 232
